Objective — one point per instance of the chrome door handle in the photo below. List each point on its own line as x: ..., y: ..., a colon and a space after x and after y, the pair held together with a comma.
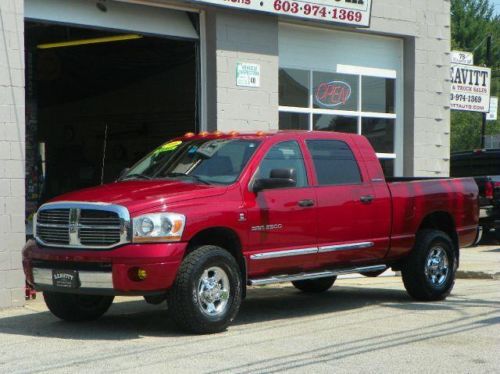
x: 306, y: 203
x: 367, y: 199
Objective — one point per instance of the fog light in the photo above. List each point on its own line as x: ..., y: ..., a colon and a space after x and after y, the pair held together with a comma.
x: 142, y: 274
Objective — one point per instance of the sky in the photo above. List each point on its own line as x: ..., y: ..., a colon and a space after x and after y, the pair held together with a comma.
x: 496, y: 3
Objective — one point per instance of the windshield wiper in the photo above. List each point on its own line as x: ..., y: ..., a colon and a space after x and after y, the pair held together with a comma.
x: 195, y: 177
x: 136, y: 176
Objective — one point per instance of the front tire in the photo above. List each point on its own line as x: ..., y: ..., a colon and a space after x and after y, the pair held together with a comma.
x: 207, y: 292
x: 315, y: 285
x: 77, y: 308
x: 429, y: 271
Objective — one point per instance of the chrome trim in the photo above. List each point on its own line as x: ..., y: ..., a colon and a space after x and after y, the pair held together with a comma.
x: 287, y: 253
x: 345, y: 247
x: 314, y: 275
x: 74, y: 226
x: 88, y: 279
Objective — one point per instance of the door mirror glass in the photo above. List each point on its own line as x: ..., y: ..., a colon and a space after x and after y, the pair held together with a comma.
x: 279, y: 178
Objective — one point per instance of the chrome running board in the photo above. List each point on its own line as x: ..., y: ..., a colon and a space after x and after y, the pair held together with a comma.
x: 314, y: 275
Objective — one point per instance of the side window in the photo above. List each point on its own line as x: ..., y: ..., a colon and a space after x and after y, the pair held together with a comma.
x: 286, y: 155
x: 334, y: 162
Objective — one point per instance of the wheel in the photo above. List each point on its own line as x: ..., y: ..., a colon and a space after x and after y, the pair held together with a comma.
x: 75, y: 308
x: 429, y: 271
x: 315, y: 285
x: 207, y: 292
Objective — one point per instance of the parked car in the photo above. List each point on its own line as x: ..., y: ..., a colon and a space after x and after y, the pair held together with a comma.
x: 204, y: 216
x: 484, y: 166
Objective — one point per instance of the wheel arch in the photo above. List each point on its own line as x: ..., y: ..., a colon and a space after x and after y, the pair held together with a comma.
x: 443, y: 221
x: 225, y: 238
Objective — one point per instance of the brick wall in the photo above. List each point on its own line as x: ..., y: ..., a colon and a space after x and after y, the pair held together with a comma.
x: 244, y: 37
x: 12, y: 236
x: 425, y: 25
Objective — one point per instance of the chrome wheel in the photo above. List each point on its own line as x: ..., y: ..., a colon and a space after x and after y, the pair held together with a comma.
x: 213, y: 291
x: 437, y: 266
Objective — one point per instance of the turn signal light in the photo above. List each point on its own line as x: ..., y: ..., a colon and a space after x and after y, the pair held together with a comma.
x: 234, y: 133
x: 203, y: 133
x: 189, y: 134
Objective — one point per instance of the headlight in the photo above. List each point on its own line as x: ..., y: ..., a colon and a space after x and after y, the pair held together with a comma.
x: 158, y: 227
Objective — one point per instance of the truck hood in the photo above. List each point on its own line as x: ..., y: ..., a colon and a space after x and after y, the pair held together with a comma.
x: 139, y: 196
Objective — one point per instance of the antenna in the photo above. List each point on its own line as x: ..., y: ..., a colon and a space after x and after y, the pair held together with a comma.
x: 104, y: 152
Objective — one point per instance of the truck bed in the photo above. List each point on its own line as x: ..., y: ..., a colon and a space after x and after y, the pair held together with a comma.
x: 443, y: 198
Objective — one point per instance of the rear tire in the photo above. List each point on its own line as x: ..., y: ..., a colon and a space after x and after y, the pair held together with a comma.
x: 76, y: 308
x: 429, y: 272
x: 207, y: 292
x: 315, y: 285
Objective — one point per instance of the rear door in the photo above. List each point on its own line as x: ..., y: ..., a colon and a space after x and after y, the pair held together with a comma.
x: 347, y: 205
x: 282, y: 222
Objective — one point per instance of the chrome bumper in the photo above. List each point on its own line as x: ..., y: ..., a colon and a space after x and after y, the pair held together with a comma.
x: 88, y: 279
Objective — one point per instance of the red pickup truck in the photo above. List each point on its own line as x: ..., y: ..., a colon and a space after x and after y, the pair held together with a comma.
x: 204, y: 216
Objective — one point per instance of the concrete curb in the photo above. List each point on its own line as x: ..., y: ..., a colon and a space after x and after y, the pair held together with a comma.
x: 467, y: 274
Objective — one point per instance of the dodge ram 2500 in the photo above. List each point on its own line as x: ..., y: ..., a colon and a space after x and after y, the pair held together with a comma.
x: 204, y: 216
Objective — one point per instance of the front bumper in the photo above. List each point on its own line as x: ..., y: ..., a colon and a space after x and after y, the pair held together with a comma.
x: 109, y: 272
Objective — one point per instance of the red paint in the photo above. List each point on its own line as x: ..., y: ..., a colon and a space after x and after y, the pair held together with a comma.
x: 338, y: 217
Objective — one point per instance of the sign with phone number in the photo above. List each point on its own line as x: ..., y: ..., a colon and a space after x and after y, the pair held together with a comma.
x: 352, y: 12
x: 470, y: 88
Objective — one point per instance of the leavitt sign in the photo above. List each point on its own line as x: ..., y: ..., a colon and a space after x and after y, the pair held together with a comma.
x: 470, y: 88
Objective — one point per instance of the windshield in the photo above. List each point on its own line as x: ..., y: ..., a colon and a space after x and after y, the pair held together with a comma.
x: 208, y: 161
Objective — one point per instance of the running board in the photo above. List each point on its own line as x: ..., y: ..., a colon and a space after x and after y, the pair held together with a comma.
x: 315, y: 275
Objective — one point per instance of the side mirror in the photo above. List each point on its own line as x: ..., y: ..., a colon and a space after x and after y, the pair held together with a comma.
x: 278, y: 178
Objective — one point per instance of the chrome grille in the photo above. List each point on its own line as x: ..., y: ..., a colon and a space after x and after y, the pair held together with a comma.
x: 82, y: 225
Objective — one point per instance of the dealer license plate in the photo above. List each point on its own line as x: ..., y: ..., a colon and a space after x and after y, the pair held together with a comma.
x: 65, y: 278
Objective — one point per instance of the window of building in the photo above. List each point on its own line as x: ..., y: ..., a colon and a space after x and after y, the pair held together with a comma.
x: 350, y: 101
x: 285, y: 155
x: 334, y: 162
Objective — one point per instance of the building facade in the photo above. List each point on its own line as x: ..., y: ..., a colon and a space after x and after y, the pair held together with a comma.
x: 87, y: 86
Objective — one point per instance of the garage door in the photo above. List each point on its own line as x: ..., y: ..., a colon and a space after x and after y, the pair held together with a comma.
x: 115, y: 15
x: 344, y: 81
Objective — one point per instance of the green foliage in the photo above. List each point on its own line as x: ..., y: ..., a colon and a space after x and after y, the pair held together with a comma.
x: 471, y: 22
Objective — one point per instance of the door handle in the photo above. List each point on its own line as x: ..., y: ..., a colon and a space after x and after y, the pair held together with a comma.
x: 306, y: 203
x: 367, y: 199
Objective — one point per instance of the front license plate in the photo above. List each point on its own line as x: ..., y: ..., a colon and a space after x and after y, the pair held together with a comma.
x: 65, y: 278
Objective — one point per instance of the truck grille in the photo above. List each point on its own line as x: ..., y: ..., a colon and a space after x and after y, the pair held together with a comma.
x: 82, y: 225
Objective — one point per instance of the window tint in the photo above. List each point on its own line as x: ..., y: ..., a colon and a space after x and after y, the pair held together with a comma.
x: 327, y: 122
x: 378, y: 95
x: 380, y: 133
x: 294, y: 121
x: 284, y: 155
x: 294, y: 87
x: 334, y: 162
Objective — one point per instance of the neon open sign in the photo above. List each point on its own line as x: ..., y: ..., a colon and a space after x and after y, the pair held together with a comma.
x: 332, y: 94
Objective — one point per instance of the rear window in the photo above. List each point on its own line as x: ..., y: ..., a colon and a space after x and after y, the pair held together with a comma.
x: 334, y: 162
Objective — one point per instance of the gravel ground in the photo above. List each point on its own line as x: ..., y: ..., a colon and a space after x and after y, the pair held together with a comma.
x: 360, y: 325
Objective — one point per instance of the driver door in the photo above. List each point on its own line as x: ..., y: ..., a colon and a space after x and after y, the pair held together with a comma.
x: 282, y: 221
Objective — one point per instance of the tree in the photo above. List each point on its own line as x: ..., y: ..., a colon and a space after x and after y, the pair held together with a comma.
x: 471, y: 22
